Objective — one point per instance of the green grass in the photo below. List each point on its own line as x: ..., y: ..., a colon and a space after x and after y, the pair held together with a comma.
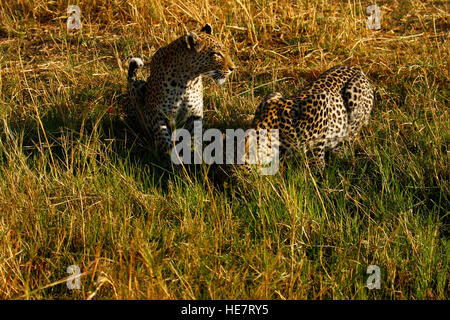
x: 78, y: 188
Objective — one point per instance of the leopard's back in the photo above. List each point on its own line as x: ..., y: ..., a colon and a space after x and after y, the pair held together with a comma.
x: 327, y: 111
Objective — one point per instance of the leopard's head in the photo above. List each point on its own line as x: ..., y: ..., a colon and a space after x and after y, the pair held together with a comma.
x: 209, y: 55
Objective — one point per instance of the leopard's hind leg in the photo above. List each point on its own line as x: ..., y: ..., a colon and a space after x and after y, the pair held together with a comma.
x: 358, y: 99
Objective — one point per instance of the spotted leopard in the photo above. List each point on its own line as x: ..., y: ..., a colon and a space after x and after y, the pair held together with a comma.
x: 172, y: 95
x: 328, y: 111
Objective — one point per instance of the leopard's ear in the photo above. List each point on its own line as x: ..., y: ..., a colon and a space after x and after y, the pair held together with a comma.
x: 207, y: 29
x: 192, y: 41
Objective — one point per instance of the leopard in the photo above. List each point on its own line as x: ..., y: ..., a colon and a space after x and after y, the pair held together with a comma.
x: 319, y: 117
x: 172, y: 95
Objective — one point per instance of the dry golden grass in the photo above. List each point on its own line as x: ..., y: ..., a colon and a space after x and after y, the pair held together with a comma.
x: 75, y: 190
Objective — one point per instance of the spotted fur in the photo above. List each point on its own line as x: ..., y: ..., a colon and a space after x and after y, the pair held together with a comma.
x: 172, y: 96
x: 329, y: 110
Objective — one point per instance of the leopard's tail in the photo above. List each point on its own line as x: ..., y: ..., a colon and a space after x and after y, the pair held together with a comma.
x: 133, y: 66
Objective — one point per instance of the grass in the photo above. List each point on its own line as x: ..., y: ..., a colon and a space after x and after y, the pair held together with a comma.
x: 78, y: 188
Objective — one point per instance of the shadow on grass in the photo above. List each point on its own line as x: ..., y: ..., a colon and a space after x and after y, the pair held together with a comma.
x: 58, y: 131
x: 62, y: 130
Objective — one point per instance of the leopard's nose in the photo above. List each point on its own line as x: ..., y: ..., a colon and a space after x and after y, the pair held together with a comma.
x: 231, y: 69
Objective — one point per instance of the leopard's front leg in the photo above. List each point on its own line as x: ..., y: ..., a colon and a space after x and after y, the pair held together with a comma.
x: 189, y: 125
x: 163, y: 133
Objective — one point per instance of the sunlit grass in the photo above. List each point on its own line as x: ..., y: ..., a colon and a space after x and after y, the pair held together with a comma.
x: 78, y: 188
